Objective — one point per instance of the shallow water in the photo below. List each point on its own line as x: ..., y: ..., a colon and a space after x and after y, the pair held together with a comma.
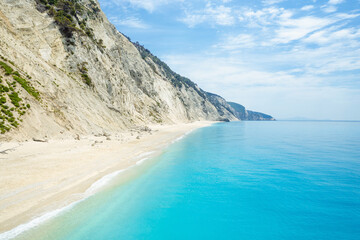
x: 240, y: 180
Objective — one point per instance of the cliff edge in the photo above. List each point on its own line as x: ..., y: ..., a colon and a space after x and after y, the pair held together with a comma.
x: 87, y: 77
x: 65, y: 70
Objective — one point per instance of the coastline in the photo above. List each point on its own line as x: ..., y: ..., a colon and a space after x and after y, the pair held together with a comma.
x: 40, y: 179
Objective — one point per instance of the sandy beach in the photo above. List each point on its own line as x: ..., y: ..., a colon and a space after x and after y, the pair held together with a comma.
x: 38, y: 177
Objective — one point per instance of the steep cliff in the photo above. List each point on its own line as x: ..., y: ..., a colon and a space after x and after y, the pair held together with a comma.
x: 243, y: 114
x: 72, y: 73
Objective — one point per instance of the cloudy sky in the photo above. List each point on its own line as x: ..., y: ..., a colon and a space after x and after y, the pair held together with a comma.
x: 286, y: 58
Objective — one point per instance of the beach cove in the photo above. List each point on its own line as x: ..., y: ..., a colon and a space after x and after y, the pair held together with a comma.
x: 40, y: 177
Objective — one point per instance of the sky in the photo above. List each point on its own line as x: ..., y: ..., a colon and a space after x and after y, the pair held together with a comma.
x: 290, y: 59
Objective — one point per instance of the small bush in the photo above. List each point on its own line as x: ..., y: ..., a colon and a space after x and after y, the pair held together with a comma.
x: 3, y: 88
x: 84, y: 74
x: 15, y: 99
x: 86, y: 79
x: 15, y: 124
x: 26, y: 85
x: 8, y: 70
x: 16, y: 73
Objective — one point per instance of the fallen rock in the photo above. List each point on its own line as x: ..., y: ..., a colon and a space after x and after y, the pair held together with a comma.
x: 96, y: 142
x: 40, y: 140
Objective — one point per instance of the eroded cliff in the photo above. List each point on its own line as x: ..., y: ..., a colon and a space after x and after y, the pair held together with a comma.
x: 89, y: 77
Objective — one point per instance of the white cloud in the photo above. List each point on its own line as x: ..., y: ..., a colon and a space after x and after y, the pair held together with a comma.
x: 294, y: 29
x: 129, y: 22
x: 214, y: 15
x: 307, y: 7
x: 237, y: 42
x: 227, y: 71
x: 193, y: 19
x: 330, y: 7
x: 334, y: 2
x: 281, y: 26
x: 333, y: 35
x: 271, y: 2
x: 221, y: 14
x: 263, y: 17
x: 148, y: 5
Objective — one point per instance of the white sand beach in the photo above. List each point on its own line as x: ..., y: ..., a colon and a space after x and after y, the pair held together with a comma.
x: 38, y: 177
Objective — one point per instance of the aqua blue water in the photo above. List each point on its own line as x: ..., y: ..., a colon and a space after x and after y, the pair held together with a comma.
x: 241, y: 180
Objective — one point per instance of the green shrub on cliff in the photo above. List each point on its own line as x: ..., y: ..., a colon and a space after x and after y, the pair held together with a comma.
x: 26, y: 85
x: 8, y: 70
x: 67, y: 15
x: 11, y: 116
x: 15, y: 99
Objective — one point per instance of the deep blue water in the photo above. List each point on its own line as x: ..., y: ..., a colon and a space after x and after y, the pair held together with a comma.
x: 240, y: 180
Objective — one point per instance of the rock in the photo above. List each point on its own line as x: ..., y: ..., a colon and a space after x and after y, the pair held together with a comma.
x: 96, y: 142
x: 40, y: 140
x: 243, y: 114
x: 223, y: 120
x: 145, y: 129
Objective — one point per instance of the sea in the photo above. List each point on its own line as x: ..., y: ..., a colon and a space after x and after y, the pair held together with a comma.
x: 240, y: 180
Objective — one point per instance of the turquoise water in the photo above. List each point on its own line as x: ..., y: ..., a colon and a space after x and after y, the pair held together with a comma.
x: 241, y: 180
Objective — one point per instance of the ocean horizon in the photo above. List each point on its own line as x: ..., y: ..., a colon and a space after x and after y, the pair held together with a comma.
x: 237, y: 180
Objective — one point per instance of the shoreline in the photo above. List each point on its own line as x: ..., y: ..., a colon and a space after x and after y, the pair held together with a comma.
x: 40, y: 180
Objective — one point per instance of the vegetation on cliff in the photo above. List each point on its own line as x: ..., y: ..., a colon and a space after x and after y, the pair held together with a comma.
x: 84, y: 74
x: 12, y: 106
x: 71, y: 17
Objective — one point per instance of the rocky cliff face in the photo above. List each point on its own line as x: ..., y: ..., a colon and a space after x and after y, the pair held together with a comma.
x: 87, y: 77
x: 243, y: 114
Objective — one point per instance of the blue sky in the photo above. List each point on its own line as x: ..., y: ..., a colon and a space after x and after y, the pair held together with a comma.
x: 286, y: 58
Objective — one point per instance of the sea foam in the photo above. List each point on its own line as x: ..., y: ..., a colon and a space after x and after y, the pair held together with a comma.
x: 95, y: 187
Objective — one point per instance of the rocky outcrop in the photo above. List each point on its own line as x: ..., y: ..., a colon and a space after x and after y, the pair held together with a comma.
x: 222, y: 107
x: 243, y: 114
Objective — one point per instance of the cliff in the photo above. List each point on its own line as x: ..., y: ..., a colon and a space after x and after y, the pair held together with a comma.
x: 243, y: 114
x: 71, y: 72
